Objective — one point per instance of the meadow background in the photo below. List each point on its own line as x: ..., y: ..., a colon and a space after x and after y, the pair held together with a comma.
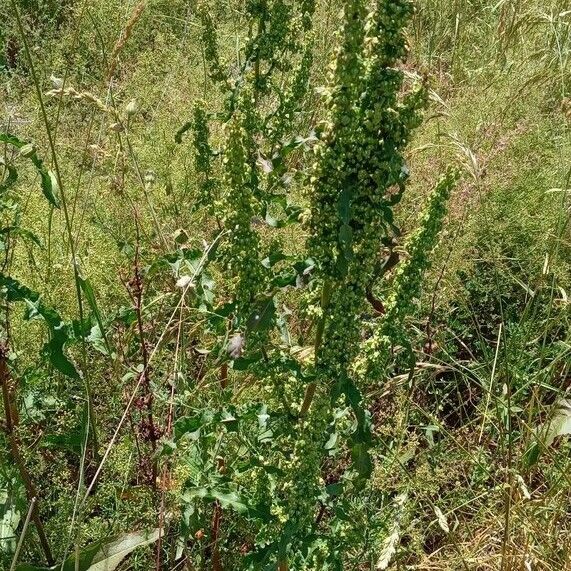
x: 472, y: 459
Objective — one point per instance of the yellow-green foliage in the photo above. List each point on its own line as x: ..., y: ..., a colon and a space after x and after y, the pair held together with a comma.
x: 255, y: 151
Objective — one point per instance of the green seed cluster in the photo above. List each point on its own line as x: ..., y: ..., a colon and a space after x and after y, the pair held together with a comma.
x: 277, y: 36
x: 277, y: 31
x: 291, y: 101
x: 358, y: 162
x: 360, y: 158
x: 333, y: 165
x: 295, y: 492
x: 280, y: 30
x: 210, y: 44
x: 358, y: 176
x: 407, y: 282
x: 359, y: 167
x: 203, y: 157
x: 274, y: 21
x: 296, y: 452
x: 241, y: 203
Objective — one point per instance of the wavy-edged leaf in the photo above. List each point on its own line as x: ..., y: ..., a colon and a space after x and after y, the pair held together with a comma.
x: 389, y: 545
x: 48, y: 179
x: 186, y: 127
x: 360, y: 440
x: 560, y: 423
x: 100, y: 334
x: 59, y: 330
x: 230, y: 499
x: 26, y: 234
x: 442, y: 521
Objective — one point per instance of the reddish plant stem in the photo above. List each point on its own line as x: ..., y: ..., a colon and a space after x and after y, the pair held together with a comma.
x: 148, y: 397
x: 224, y: 375
x: 214, y: 533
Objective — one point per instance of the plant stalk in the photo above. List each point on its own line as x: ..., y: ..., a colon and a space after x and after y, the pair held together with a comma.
x: 15, y: 446
x: 326, y: 294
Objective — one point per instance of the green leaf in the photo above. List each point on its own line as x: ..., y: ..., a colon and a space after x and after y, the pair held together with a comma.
x: 361, y: 438
x: 560, y: 423
x: 442, y: 521
x: 334, y: 489
x: 229, y: 421
x: 389, y: 545
x: 26, y: 234
x: 72, y: 441
x: 331, y: 442
x: 244, y: 363
x: 346, y: 241
x: 49, y: 183
x: 186, y: 127
x: 272, y: 222
x: 285, y: 539
x: 59, y: 330
x: 12, y: 177
x: 12, y: 140
x: 362, y: 460
x: 226, y: 500
x: 96, y: 339
x: 274, y: 258
x: 344, y: 205
x: 86, y: 557
x: 263, y: 315
x: 110, y: 556
x: 265, y: 433
x: 291, y: 145
x: 230, y: 500
x: 9, y: 521
x: 87, y: 290
x: 188, y: 426
x: 54, y: 349
x: 531, y: 455
x: 48, y: 179
x: 101, y: 555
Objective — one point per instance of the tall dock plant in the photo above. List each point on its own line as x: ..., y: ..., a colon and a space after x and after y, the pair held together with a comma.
x: 345, y: 202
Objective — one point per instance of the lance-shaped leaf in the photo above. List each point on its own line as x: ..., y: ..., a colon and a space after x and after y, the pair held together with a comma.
x: 48, y: 179
x: 360, y: 440
x: 101, y: 555
x: 36, y: 309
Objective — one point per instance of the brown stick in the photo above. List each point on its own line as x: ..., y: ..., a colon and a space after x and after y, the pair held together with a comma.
x: 224, y: 376
x: 215, y: 531
x: 10, y: 425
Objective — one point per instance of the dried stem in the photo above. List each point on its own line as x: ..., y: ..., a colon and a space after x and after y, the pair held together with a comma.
x: 10, y: 427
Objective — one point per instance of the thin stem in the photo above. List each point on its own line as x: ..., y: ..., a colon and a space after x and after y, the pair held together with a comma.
x: 17, y: 457
x: 23, y: 534
x: 326, y: 294
x: 146, y: 385
x: 57, y: 170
